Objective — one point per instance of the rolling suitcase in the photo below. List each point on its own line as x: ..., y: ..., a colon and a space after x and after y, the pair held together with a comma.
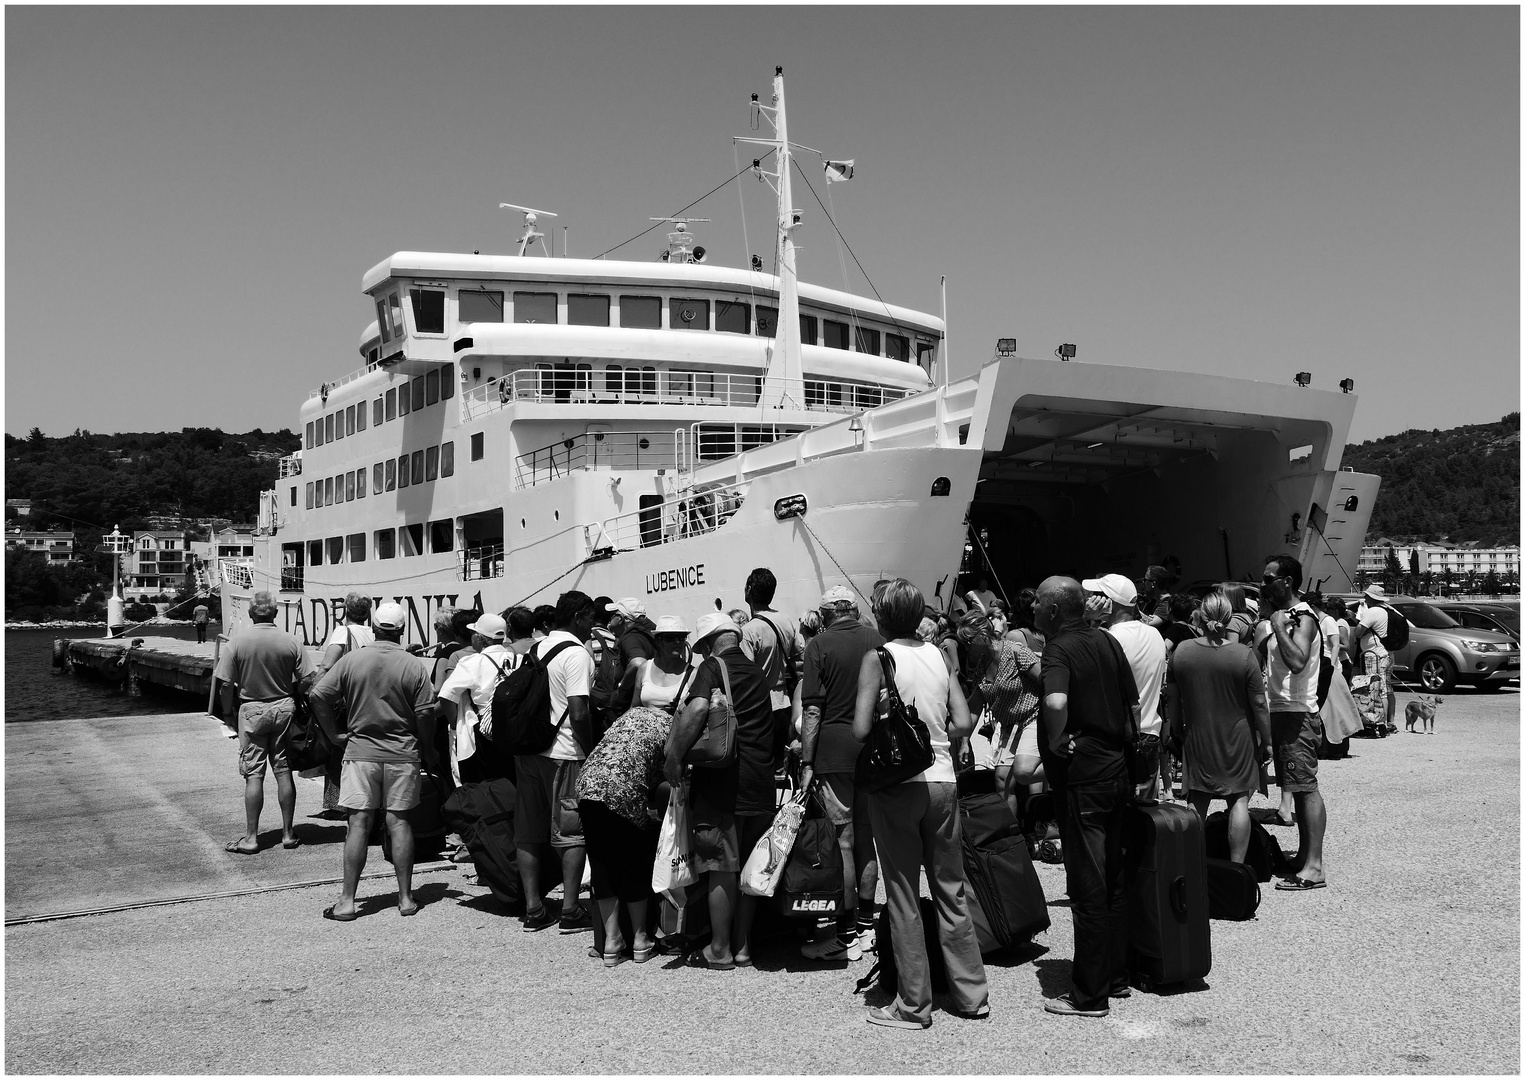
x: 1232, y: 891
x: 1169, y: 938
x: 483, y: 815
x: 1006, y: 900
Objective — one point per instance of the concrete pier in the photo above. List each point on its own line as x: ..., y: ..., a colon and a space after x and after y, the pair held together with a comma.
x: 1408, y: 963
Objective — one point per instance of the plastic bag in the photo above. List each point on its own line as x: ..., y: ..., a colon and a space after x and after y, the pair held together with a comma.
x: 673, y: 870
x: 764, y: 868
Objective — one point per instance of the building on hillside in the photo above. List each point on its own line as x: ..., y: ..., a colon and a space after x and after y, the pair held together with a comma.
x: 157, y: 563
x: 18, y: 508
x: 56, y: 547
x: 1438, y: 558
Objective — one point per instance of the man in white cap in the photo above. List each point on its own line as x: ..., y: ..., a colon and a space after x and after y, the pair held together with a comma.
x: 829, y: 753
x: 469, y: 688
x: 1378, y: 706
x: 389, y: 733
x: 1147, y: 655
x: 731, y: 807
x: 614, y: 681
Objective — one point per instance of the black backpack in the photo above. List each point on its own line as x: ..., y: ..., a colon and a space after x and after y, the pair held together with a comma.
x: 521, y: 705
x: 884, y: 974
x: 1397, y: 635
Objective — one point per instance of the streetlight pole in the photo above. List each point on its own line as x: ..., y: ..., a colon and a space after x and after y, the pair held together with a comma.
x: 118, y: 545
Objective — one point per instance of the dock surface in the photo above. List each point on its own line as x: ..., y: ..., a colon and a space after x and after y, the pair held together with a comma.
x: 1408, y: 963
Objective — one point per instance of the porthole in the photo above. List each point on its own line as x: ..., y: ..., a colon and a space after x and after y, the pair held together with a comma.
x: 522, y: 525
x: 556, y: 514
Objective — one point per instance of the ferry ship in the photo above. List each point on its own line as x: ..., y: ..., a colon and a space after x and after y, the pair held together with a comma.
x: 523, y: 425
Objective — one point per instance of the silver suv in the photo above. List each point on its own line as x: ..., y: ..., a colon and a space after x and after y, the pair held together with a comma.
x: 1441, y: 652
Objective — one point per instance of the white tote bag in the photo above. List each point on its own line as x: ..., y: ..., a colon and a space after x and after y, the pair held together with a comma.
x: 765, y: 865
x: 673, y: 870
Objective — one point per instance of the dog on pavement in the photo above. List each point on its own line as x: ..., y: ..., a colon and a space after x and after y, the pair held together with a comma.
x: 1421, y: 711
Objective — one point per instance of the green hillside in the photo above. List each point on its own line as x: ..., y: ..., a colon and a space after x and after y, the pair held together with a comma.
x: 1457, y: 485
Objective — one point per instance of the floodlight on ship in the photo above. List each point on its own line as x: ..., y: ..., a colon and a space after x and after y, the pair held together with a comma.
x: 790, y: 506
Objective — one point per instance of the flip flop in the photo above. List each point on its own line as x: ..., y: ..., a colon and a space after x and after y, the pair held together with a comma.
x: 329, y: 914
x: 743, y: 963
x: 699, y: 960
x: 409, y: 914
x: 232, y: 848
x: 640, y: 956
x: 289, y: 844
x: 1300, y: 885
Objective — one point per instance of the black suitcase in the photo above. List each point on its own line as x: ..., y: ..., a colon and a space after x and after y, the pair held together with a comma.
x: 1264, y: 855
x: 1169, y: 938
x: 483, y: 815
x: 984, y: 818
x: 1006, y: 901
x: 428, y: 823
x: 1232, y: 891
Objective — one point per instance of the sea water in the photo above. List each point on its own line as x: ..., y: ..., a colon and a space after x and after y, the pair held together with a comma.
x: 36, y: 690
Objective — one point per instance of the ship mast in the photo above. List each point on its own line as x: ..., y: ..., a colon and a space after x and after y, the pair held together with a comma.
x: 784, y: 379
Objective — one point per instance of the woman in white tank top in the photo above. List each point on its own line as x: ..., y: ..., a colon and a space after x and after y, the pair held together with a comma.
x: 916, y: 823
x: 660, y: 678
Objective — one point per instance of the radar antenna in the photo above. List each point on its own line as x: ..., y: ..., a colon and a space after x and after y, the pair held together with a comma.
x: 680, y: 242
x: 531, y: 234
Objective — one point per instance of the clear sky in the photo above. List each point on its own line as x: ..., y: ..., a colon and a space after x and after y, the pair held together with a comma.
x: 193, y: 194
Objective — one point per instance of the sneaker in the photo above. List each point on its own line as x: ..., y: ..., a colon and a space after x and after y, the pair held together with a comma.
x: 885, y: 1017
x: 578, y: 920
x: 1065, y: 1006
x: 833, y: 948
x: 866, y: 939
x: 537, y: 921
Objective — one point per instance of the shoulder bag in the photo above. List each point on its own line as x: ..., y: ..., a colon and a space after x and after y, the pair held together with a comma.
x: 716, y: 747
x: 899, y: 746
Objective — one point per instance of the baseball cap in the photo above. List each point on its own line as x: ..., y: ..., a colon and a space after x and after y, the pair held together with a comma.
x: 715, y: 622
x: 490, y: 626
x: 389, y: 616
x: 1114, y: 587
x: 838, y: 594
x: 630, y: 607
x: 671, y: 624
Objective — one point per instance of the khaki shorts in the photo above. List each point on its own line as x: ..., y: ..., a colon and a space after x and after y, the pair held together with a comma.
x: 545, y: 802
x: 1294, y: 741
x: 843, y: 802
x: 379, y: 785
x: 263, y: 727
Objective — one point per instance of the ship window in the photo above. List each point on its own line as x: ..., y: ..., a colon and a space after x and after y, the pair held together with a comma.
x: 355, y: 543
x: 867, y: 397
x: 379, y: 477
x: 334, y: 549
x: 836, y: 335
x: 293, y: 494
x: 587, y: 309
x: 386, y: 544
x: 411, y: 539
x: 641, y: 312
x: 360, y: 417
x: 767, y: 321
x: 534, y: 307
x: 360, y: 483
x: 897, y: 347
x: 308, y: 441
x: 404, y: 402
x: 808, y: 326
x: 418, y: 393
x: 447, y: 382
x: 680, y: 383
x: 926, y: 353
x: 309, y: 495
x: 391, y: 404
x: 442, y: 535
x: 373, y: 356
x: 687, y: 313
x: 447, y: 459
x: 733, y: 317
x: 614, y: 379
x: 431, y: 387
x: 418, y: 466
x: 328, y: 428
x: 349, y: 420
x: 314, y: 553
x: 391, y: 464
x: 651, y: 520
x: 381, y: 320
x: 428, y: 310
x: 403, y: 471
x: 328, y: 491
x: 338, y: 423
x: 866, y: 339
x: 395, y: 306
x: 815, y: 393
x: 478, y: 305
x: 431, y: 463
x: 349, y: 486
x: 476, y: 446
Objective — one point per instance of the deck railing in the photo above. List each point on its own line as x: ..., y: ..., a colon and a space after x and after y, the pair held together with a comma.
x: 291, y: 465
x: 596, y: 450
x: 693, y: 513
x: 237, y: 572
x: 329, y: 387
x: 571, y: 386
x: 483, y: 561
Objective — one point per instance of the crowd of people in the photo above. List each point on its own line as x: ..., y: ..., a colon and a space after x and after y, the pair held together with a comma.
x: 1079, y: 698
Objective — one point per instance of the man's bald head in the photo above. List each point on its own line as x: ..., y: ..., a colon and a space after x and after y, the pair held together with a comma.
x: 1061, y: 603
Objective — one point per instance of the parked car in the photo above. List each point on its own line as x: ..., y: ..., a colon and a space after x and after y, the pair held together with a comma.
x: 1442, y: 652
x: 1500, y: 618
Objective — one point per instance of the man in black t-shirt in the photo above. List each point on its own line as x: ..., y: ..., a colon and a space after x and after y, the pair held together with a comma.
x: 732, y: 807
x: 833, y: 659
x: 1089, y: 698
